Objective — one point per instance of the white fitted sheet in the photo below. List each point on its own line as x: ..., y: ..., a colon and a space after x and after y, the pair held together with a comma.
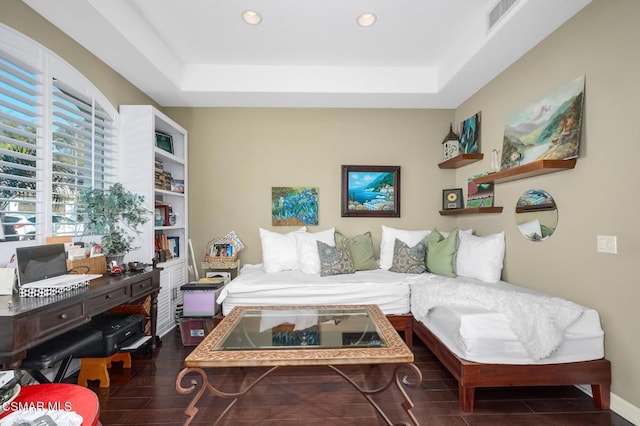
x: 480, y: 335
x: 255, y: 287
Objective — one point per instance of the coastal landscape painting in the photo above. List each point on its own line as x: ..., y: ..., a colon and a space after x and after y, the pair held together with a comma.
x: 371, y: 191
x: 547, y: 129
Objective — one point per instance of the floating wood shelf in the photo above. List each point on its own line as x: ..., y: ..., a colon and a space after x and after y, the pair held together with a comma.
x: 461, y: 160
x: 470, y: 210
x: 535, y: 168
x: 529, y: 209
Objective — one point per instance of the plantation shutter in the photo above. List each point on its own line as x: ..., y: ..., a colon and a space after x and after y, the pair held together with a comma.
x: 83, y: 155
x: 21, y: 151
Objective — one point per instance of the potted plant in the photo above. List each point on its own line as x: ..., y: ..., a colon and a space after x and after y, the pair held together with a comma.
x: 110, y: 213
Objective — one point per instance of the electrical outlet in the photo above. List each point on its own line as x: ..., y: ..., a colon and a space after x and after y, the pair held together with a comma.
x: 607, y: 244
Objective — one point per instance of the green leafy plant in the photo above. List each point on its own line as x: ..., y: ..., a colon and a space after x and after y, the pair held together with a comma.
x: 110, y: 213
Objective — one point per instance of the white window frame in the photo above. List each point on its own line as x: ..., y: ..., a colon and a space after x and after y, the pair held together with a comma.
x: 16, y: 46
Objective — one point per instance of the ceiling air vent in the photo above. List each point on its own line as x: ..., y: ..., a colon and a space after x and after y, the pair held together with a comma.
x: 498, y: 12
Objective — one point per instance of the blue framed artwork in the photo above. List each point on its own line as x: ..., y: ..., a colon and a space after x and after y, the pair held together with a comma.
x: 470, y: 135
x: 294, y: 206
x: 370, y: 191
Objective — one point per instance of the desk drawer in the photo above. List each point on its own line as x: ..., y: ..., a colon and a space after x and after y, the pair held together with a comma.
x: 60, y: 318
x: 141, y: 288
x: 108, y: 300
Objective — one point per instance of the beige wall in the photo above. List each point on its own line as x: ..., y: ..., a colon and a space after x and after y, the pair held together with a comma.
x: 601, y: 42
x: 237, y: 155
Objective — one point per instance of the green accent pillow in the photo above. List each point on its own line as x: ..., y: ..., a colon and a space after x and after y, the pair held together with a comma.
x: 362, y: 252
x: 335, y: 260
x: 410, y: 260
x: 441, y: 253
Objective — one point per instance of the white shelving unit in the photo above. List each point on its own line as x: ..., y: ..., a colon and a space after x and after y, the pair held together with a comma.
x: 140, y: 156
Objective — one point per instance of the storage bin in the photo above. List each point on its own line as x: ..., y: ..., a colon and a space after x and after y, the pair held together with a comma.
x: 200, y: 299
x: 193, y: 330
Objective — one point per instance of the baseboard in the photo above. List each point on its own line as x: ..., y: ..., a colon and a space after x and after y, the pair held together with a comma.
x: 618, y: 405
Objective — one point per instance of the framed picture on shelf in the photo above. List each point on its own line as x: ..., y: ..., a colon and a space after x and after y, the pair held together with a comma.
x: 479, y: 195
x: 164, y: 141
x: 452, y: 199
x: 370, y: 191
x: 173, y: 245
x: 161, y: 215
x: 177, y: 185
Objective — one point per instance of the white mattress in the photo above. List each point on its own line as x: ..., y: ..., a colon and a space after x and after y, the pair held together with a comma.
x: 255, y: 287
x: 479, y: 335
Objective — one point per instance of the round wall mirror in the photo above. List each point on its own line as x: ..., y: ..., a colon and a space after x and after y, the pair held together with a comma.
x: 536, y: 215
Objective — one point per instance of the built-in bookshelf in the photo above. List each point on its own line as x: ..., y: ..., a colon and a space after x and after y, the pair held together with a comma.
x: 154, y: 159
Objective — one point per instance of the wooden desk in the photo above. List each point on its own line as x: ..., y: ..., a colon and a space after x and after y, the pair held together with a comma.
x: 27, y: 322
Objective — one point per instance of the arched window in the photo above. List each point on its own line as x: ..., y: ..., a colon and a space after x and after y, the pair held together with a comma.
x: 58, y: 136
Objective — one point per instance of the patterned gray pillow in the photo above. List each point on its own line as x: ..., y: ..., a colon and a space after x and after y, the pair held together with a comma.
x: 410, y: 260
x: 335, y: 260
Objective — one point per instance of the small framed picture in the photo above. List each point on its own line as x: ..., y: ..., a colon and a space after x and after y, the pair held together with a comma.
x: 221, y: 250
x: 452, y: 199
x: 174, y: 246
x: 164, y: 141
x: 161, y: 215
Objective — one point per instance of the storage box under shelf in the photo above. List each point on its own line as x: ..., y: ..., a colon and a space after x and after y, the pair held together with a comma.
x: 194, y: 330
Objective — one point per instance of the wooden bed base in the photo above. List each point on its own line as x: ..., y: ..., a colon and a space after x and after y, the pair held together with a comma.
x: 472, y: 375
x: 403, y: 323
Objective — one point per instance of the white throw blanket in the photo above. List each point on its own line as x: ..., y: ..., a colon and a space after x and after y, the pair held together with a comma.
x: 538, y: 321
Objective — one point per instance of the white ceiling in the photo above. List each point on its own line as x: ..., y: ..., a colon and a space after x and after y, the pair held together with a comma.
x: 307, y: 53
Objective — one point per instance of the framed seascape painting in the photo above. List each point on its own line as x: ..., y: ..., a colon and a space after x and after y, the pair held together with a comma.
x: 547, y: 129
x: 294, y: 206
x: 370, y: 191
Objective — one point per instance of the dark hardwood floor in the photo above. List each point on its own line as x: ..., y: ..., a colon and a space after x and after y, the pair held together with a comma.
x: 146, y: 395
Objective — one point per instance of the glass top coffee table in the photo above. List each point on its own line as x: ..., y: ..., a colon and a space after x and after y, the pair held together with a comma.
x: 278, y: 336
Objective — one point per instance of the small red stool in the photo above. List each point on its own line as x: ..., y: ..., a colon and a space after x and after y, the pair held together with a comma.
x: 60, y: 396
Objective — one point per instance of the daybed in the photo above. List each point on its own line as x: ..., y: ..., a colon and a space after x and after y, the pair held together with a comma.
x: 486, y: 332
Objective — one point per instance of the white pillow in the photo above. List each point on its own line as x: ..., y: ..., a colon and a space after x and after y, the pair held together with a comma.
x: 389, y: 235
x: 308, y: 257
x: 279, y: 251
x: 480, y: 257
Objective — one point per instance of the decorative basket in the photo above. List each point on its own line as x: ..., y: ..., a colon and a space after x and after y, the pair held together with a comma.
x: 221, y: 250
x: 88, y: 265
x: 139, y: 307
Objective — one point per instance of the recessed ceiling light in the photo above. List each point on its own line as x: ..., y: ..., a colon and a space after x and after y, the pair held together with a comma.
x: 251, y: 17
x: 366, y: 19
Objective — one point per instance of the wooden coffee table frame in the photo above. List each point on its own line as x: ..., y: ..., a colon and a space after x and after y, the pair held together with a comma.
x: 395, y: 352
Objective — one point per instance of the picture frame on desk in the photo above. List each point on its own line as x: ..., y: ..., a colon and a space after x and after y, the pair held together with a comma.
x: 164, y: 141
